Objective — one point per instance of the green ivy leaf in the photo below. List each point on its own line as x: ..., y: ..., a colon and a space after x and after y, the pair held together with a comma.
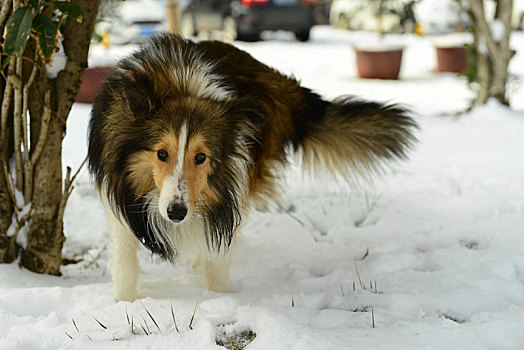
x: 6, y: 62
x: 70, y: 9
x: 47, y: 32
x: 18, y: 28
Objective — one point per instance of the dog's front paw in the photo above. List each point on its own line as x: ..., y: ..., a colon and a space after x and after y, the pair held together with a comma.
x: 125, y: 294
x: 223, y: 287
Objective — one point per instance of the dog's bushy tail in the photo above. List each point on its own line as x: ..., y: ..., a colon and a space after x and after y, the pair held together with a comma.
x: 355, y: 139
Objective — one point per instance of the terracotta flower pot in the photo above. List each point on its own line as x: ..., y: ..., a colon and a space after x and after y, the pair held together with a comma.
x: 451, y: 59
x: 91, y: 83
x: 378, y: 63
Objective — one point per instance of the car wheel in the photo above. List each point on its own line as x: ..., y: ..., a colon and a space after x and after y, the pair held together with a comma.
x: 187, y: 25
x: 229, y: 29
x: 302, y: 35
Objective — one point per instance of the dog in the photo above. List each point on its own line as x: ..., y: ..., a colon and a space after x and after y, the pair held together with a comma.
x: 185, y: 137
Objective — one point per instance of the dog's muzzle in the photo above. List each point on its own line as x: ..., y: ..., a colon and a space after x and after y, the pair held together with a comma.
x: 176, y: 212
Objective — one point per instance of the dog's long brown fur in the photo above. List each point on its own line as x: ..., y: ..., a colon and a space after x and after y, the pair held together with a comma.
x: 188, y: 98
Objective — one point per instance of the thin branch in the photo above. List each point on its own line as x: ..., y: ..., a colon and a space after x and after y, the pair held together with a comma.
x: 17, y: 122
x: 68, y: 189
x: 10, y: 188
x: 25, y: 96
x: 28, y: 161
x: 21, y: 223
x: 78, y: 170
x: 42, y: 138
x: 4, y: 12
x: 6, y: 107
x: 44, y: 127
x: 11, y: 193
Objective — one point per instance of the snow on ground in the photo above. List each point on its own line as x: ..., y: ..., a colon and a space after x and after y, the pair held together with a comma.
x: 433, y: 252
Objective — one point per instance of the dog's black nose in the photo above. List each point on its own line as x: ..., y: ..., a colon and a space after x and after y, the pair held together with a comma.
x: 176, y: 212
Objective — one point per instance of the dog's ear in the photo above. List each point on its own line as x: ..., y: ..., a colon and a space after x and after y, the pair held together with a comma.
x: 246, y: 114
x: 135, y: 95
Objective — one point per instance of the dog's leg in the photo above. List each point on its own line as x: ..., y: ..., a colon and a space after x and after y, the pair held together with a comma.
x: 216, y: 271
x: 124, y: 262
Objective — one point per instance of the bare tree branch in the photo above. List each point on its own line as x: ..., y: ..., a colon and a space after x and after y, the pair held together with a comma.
x: 42, y: 137
x: 6, y: 106
x: 17, y: 122
x: 68, y: 189
x: 25, y: 92
x: 10, y: 185
x: 4, y: 12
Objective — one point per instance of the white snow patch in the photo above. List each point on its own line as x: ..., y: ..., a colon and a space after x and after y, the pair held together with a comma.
x: 59, y: 62
x: 443, y: 233
x: 498, y: 29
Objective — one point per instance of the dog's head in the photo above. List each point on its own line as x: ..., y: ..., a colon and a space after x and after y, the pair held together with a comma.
x: 170, y: 156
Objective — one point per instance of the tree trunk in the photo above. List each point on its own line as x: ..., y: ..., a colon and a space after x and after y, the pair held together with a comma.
x: 52, y: 97
x: 492, y: 51
x: 46, y: 237
x: 173, y: 16
x: 8, y: 247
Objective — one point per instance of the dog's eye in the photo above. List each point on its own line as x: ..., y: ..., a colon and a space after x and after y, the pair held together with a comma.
x: 162, y: 155
x: 200, y: 158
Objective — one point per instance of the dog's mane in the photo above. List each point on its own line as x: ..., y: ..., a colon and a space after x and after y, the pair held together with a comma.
x: 126, y: 120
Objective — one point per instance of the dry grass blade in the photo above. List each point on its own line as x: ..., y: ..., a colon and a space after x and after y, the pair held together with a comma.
x: 193, y: 317
x: 127, y: 316
x: 365, y: 254
x: 151, y: 316
x: 174, y: 319
x: 70, y: 337
x: 147, y: 326
x: 146, y: 333
x: 74, y: 323
x: 100, y: 323
x: 373, y: 317
x: 133, y: 325
x: 362, y: 286
x: 292, y: 302
x: 341, y: 289
x: 231, y: 342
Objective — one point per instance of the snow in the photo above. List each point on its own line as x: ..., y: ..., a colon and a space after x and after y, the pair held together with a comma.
x: 498, y: 29
x: 58, y: 63
x: 439, y: 238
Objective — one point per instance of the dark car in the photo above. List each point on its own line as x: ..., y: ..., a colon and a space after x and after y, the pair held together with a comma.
x: 246, y: 19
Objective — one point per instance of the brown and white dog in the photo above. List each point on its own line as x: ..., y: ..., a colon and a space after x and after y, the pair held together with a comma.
x: 184, y: 137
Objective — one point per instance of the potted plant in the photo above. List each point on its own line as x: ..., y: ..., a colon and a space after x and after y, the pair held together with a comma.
x: 451, y: 51
x: 451, y: 58
x: 95, y: 76
x: 381, y: 60
x: 93, y: 79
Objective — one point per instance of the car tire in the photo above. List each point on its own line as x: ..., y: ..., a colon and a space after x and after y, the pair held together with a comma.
x: 229, y: 29
x: 188, y: 27
x: 302, y: 35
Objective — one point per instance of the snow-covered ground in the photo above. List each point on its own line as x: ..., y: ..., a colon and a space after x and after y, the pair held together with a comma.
x: 432, y: 254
